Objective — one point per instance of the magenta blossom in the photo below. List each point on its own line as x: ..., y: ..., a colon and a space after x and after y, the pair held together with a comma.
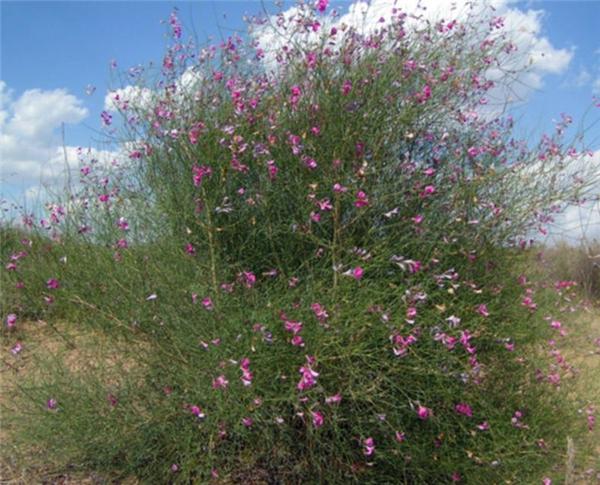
x: 123, y: 224
x: 199, y: 172
x: 51, y: 403
x: 220, y: 382
x: 197, y: 411
x: 308, y: 376
x: 317, y: 419
x: 485, y: 426
x: 321, y: 5
x: 16, y: 349
x: 357, y: 273
x: 423, y: 412
x: 335, y: 399
x: 464, y: 409
x: 246, y: 374
x: 368, y: 446
x: 483, y: 310
x: 361, y: 199
x: 52, y: 284
x: 247, y: 421
x: 320, y: 312
x: 207, y: 303
x: 248, y: 278
x: 11, y: 320
x: 400, y: 436
x: 346, y: 87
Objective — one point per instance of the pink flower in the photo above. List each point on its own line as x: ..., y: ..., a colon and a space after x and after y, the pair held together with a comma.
x: 357, y: 273
x: 199, y: 172
x: 247, y: 421
x: 368, y: 446
x: 324, y: 204
x: 321, y: 5
x: 52, y: 284
x: 16, y: 349
x: 248, y: 278
x: 400, y: 436
x: 546, y: 481
x: 346, y: 87
x: 194, y: 133
x: 308, y: 375
x: 297, y: 341
x: 361, y: 199
x: 464, y: 409
x: 310, y: 163
x: 220, y: 382
x: 335, y: 399
x: 189, y: 248
x: 473, y: 152
x: 207, y: 303
x: 272, y: 169
x: 483, y: 426
x: 11, y: 320
x: 246, y: 374
x: 320, y: 312
x: 413, y: 266
x: 423, y: 412
x: 123, y: 224
x: 197, y: 411
x: 296, y: 93
x: 317, y: 419
x: 339, y: 188
x: 483, y: 310
x: 428, y: 191
x: 51, y: 403
x: 529, y: 303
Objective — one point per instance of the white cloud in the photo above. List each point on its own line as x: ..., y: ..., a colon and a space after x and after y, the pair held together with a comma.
x: 30, y: 147
x: 596, y: 86
x: 580, y: 222
x: 134, y: 97
x: 536, y: 57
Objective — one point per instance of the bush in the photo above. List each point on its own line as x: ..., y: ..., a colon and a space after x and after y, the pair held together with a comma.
x: 311, y: 255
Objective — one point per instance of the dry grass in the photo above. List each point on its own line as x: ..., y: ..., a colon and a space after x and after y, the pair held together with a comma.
x: 81, y: 352
x: 583, y: 352
x: 576, y: 263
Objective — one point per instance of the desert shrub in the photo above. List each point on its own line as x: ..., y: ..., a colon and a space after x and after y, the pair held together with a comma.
x: 312, y: 251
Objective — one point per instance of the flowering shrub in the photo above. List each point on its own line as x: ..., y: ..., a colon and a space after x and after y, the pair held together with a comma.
x: 311, y: 253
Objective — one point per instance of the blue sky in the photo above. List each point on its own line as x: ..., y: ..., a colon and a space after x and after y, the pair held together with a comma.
x: 51, y: 45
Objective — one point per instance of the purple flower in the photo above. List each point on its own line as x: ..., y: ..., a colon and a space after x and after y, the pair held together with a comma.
x: 423, y: 412
x: 11, y: 320
x: 368, y: 446
x: 220, y: 382
x: 317, y: 419
x: 197, y: 411
x: 361, y: 199
x: 464, y: 409
x: 16, y: 349
x: 52, y: 284
x: 51, y: 403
